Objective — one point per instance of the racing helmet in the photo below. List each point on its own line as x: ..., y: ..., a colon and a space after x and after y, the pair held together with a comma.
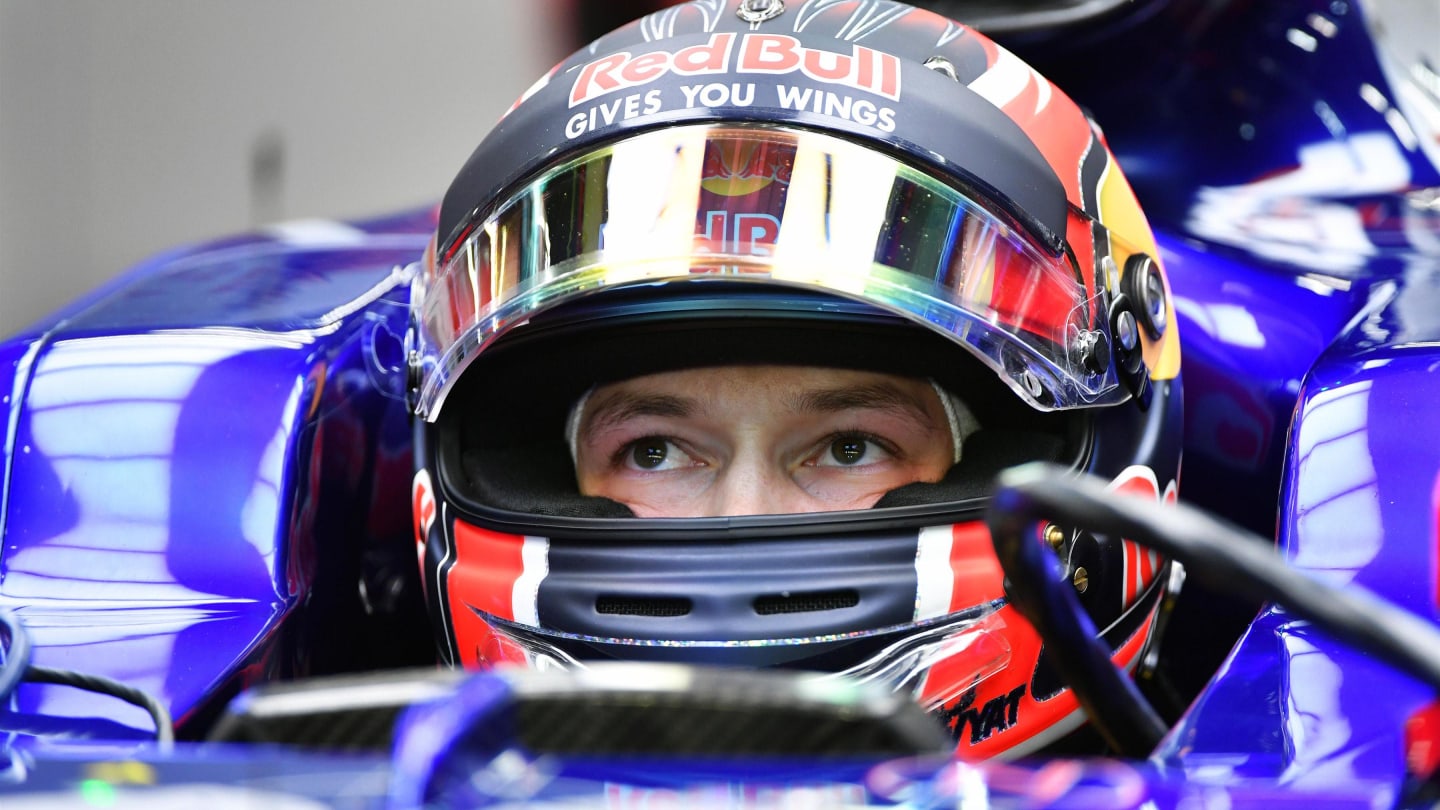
x: 850, y: 185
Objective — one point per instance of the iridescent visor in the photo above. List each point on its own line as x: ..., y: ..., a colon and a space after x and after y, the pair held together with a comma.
x: 772, y: 206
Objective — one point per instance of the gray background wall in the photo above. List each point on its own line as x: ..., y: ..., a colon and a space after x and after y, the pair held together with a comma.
x: 129, y: 127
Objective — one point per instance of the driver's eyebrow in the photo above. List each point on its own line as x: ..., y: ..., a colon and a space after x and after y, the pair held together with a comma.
x: 621, y: 406
x: 874, y: 396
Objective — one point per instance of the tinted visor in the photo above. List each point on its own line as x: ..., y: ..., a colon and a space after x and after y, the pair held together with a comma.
x: 769, y: 206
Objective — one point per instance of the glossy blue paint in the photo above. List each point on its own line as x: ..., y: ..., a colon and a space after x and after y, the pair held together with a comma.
x: 1358, y: 506
x: 185, y: 457
x: 1297, y: 708
x: 1356, y: 453
x: 136, y: 539
x: 193, y: 776
x: 244, y: 280
x: 1250, y: 335
x: 1267, y: 128
x: 203, y: 459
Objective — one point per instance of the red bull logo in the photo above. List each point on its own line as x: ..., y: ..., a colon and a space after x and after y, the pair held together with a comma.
x: 739, y: 167
x: 863, y: 68
x: 749, y: 180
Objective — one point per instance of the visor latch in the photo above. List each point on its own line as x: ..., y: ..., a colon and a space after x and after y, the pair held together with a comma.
x: 1129, y: 351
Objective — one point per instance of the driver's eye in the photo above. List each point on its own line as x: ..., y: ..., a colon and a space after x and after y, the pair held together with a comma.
x: 649, y: 454
x: 849, y: 450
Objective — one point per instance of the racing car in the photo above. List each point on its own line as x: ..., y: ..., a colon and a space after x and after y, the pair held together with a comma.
x: 216, y: 469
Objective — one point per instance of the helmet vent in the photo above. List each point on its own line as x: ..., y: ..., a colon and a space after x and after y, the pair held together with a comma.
x: 643, y: 606
x: 811, y: 602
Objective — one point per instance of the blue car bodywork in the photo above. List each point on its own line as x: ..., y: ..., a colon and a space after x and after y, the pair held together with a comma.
x: 206, y: 468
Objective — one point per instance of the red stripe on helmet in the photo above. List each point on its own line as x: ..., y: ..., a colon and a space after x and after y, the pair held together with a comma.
x: 978, y: 576
x: 1132, y: 571
x: 487, y: 565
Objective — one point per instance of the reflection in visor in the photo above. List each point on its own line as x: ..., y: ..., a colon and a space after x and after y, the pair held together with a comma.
x: 775, y: 206
x: 968, y: 650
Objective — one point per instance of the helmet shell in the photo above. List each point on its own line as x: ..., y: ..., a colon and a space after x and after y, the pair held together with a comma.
x: 853, y: 68
x: 503, y: 584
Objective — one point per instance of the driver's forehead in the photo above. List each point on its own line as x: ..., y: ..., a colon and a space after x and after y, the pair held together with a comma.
x: 795, y: 389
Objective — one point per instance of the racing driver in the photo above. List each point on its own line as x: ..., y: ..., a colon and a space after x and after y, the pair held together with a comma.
x: 728, y: 326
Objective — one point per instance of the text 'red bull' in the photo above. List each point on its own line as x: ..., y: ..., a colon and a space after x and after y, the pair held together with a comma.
x: 862, y: 69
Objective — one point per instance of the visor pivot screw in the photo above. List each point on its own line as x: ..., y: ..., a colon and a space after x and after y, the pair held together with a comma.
x: 1054, y: 536
x: 414, y: 377
x: 1081, y: 579
x: 944, y: 66
x: 1031, y: 383
x: 758, y: 11
x: 1126, y: 333
x: 1094, y: 350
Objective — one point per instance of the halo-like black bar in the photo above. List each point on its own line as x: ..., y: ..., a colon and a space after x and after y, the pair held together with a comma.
x: 1212, y: 550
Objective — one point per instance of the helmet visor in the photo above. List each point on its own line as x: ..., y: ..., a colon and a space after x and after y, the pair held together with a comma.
x: 778, y: 206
